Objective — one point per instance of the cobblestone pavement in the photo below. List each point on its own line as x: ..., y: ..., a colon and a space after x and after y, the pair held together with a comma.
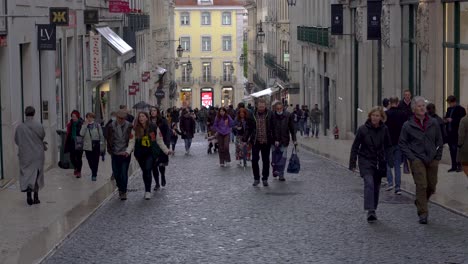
x: 208, y: 214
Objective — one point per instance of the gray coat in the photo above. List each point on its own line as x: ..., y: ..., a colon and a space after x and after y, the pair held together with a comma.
x: 29, y: 138
x: 463, y: 140
x: 92, y: 134
x: 425, y: 145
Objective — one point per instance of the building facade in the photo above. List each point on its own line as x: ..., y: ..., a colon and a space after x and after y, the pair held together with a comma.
x: 211, y: 34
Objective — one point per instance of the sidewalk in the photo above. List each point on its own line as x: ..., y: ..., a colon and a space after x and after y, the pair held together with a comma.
x: 452, y: 191
x: 29, y: 233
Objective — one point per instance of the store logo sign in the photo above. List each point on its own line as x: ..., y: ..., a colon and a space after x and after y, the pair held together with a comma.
x: 337, y: 19
x: 374, y: 12
x: 59, y: 16
x: 46, y: 37
x: 95, y: 48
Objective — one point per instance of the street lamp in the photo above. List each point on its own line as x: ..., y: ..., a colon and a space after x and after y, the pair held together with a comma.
x: 180, y: 51
x: 291, y: 2
x: 260, y: 34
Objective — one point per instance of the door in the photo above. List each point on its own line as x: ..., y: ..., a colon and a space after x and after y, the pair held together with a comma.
x: 326, y: 105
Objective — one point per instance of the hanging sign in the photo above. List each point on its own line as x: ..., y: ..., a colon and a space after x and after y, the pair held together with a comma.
x: 137, y: 85
x: 132, y: 90
x: 374, y: 12
x: 145, y: 76
x: 46, y: 37
x: 159, y: 93
x: 95, y: 47
x: 91, y: 17
x: 59, y: 16
x: 119, y: 6
x: 337, y: 19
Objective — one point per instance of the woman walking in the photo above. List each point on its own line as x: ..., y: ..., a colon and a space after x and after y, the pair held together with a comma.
x: 74, y: 142
x: 187, y: 127
x: 243, y: 151
x: 159, y: 166
x: 148, y: 146
x: 222, y: 125
x: 370, y: 145
x: 93, y: 139
x: 463, y: 145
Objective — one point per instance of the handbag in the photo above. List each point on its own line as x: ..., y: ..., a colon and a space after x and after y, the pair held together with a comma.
x: 294, y: 165
x: 79, y: 142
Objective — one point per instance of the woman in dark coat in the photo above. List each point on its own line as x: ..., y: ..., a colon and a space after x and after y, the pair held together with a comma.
x: 370, y: 145
x: 159, y: 166
x: 187, y: 127
x: 73, y: 131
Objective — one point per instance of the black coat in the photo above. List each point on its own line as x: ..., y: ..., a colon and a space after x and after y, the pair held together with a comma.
x: 282, y: 128
x: 395, y: 120
x: 406, y: 109
x: 250, y: 134
x: 371, y: 145
x: 452, y: 128
x: 187, y: 126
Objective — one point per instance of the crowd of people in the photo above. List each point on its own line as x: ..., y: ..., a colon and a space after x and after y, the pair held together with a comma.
x: 408, y: 133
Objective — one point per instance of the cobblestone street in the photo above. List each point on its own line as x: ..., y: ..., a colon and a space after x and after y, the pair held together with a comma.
x: 208, y: 214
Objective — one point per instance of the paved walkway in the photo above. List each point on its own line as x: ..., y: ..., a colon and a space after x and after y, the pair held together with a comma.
x: 208, y: 214
x: 28, y: 233
x: 452, y: 188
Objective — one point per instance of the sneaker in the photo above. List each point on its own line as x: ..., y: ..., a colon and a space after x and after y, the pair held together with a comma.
x: 156, y: 188
x: 423, y: 220
x: 227, y: 164
x: 389, y: 188
x: 147, y: 195
x: 265, y: 183
x: 371, y: 216
x: 222, y: 165
x: 452, y: 170
x: 93, y: 178
x: 256, y: 183
x: 398, y: 192
x: 123, y: 196
x: 281, y: 178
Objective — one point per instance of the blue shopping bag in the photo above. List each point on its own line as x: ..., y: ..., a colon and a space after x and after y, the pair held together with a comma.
x: 294, y: 165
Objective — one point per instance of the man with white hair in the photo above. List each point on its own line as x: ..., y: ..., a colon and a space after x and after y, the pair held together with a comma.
x: 421, y: 141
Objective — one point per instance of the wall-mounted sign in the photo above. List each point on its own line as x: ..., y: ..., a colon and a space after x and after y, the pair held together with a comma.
x: 95, y: 47
x: 91, y: 17
x: 119, y: 6
x: 337, y: 19
x: 132, y: 90
x: 159, y: 93
x: 59, y: 16
x: 374, y: 12
x: 46, y: 37
x: 137, y: 86
x: 145, y: 76
x: 207, y: 99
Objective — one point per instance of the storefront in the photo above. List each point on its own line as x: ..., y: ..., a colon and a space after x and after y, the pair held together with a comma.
x: 227, y: 96
x: 186, y: 97
x: 456, y: 50
x: 206, y: 97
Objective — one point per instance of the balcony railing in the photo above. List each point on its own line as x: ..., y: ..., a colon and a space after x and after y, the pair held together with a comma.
x: 316, y: 35
x: 270, y: 60
x: 137, y: 22
x: 228, y: 80
x: 282, y: 74
x: 259, y: 82
x: 207, y: 80
x: 185, y: 81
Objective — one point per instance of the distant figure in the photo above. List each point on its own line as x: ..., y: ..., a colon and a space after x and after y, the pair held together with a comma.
x: 452, y: 120
x: 130, y: 118
x: 385, y: 103
x: 315, y: 117
x: 29, y: 137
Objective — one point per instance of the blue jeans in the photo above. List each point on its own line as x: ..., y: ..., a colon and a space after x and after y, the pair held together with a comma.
x: 120, y: 165
x: 202, y: 126
x: 188, y: 143
x: 396, y: 152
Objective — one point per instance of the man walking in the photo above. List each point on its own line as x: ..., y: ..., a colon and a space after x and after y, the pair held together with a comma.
x: 259, y: 135
x: 282, y: 128
x: 202, y: 116
x: 119, y: 145
x: 298, y: 120
x: 315, y: 117
x: 452, y: 120
x: 405, y: 104
x: 421, y: 141
x: 395, y: 120
x: 130, y: 118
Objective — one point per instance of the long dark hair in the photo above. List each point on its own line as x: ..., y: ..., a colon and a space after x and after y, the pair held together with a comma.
x: 158, y: 117
x: 219, y: 113
x: 140, y: 129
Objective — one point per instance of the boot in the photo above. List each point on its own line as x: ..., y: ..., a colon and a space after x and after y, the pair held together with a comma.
x: 36, y: 198
x: 163, y: 180
x: 29, y: 199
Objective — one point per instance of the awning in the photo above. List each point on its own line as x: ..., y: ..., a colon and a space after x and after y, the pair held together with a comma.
x: 266, y: 92
x: 115, y: 41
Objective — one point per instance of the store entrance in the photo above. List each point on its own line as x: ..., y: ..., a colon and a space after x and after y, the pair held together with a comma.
x: 227, y: 97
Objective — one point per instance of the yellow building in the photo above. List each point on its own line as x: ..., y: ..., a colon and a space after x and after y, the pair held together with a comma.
x: 211, y: 33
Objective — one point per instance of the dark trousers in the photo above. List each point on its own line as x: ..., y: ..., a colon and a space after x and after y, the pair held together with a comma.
x: 76, y: 158
x: 93, y: 160
x: 120, y: 165
x: 265, y: 150
x: 146, y: 165
x: 159, y: 170
x: 223, y: 142
x: 371, y: 191
x: 453, y: 155
x: 173, y: 143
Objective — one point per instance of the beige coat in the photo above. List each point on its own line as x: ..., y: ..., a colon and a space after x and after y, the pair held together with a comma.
x: 463, y: 140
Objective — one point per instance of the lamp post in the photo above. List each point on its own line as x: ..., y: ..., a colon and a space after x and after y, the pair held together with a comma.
x: 180, y: 51
x: 260, y: 34
x: 291, y: 2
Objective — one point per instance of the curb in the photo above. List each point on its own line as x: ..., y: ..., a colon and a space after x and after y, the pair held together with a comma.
x: 330, y: 158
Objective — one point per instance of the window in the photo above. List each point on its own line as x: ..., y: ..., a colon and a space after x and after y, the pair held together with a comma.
x: 185, y: 43
x: 185, y: 73
x: 226, y: 18
x: 227, y: 43
x: 227, y: 71
x: 206, y: 18
x: 185, y: 19
x: 206, y: 43
x: 206, y: 74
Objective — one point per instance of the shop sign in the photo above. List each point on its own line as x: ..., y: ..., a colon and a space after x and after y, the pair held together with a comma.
x: 3, y: 41
x: 207, y: 99
x: 337, y: 19
x: 46, y: 37
x: 145, y: 76
x: 59, y: 16
x: 374, y: 12
x: 132, y: 89
x: 137, y: 84
x: 159, y: 93
x: 119, y: 6
x: 96, y: 57
x: 91, y: 17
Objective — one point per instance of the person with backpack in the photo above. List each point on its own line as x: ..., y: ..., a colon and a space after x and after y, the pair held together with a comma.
x: 74, y: 142
x: 93, y: 143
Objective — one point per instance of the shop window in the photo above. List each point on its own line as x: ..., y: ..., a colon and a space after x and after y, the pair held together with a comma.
x: 227, y: 96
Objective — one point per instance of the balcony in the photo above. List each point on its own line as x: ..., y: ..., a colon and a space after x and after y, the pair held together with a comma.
x: 185, y: 81
x: 315, y: 35
x: 228, y: 80
x: 270, y: 60
x: 259, y: 82
x: 207, y: 80
x: 282, y: 74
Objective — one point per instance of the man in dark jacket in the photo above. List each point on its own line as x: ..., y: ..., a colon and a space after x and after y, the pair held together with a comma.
x: 258, y: 133
x: 282, y: 130
x: 405, y: 104
x: 452, y: 120
x: 395, y: 120
x: 187, y: 127
x: 421, y: 141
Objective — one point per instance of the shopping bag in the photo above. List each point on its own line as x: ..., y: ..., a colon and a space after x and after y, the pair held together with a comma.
x: 294, y: 165
x: 278, y: 162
